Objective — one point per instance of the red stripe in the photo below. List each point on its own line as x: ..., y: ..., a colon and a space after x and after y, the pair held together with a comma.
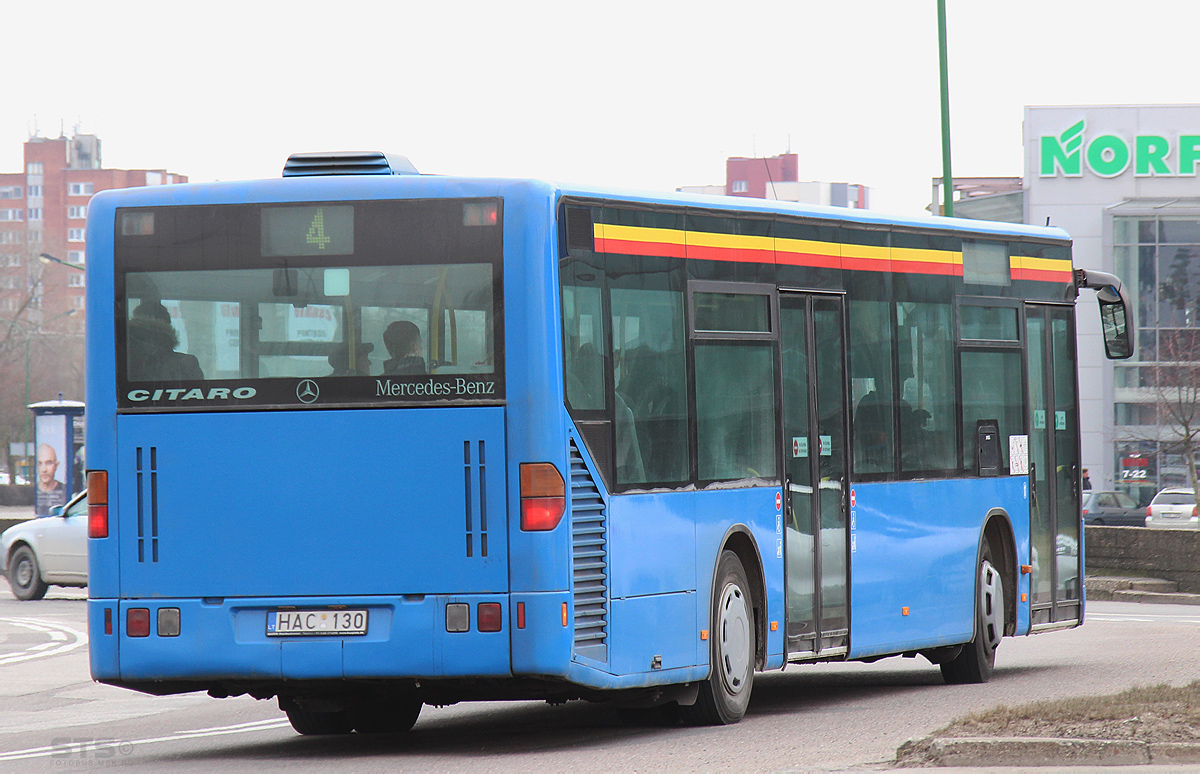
x: 741, y: 255
x: 815, y: 260
x: 627, y: 247
x: 866, y: 264
x: 927, y: 267
x: 1043, y: 275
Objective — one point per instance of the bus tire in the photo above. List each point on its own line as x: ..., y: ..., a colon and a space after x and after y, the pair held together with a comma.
x: 24, y: 575
x: 309, y: 723
x: 725, y: 694
x: 394, y: 717
x: 978, y: 657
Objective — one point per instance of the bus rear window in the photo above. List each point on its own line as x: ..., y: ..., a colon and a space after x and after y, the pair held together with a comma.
x: 369, y: 323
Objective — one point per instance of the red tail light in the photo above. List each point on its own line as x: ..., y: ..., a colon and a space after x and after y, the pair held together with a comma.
x: 97, y: 481
x: 137, y: 622
x: 1148, y: 513
x: 1085, y: 511
x: 543, y: 496
x: 488, y: 614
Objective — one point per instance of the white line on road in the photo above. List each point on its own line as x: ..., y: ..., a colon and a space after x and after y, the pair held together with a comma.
x: 63, y: 638
x: 1143, y: 618
x: 126, y: 746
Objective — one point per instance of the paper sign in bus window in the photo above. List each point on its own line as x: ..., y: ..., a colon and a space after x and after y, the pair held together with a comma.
x: 800, y: 446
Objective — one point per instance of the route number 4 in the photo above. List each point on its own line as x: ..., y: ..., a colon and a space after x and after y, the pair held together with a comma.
x: 316, y: 231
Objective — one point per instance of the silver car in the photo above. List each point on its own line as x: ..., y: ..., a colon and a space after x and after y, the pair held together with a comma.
x: 1173, y: 509
x: 50, y: 550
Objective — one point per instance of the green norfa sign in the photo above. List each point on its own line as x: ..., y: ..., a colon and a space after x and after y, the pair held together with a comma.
x: 1108, y: 155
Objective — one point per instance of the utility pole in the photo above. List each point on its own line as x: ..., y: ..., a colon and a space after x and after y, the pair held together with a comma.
x: 947, y: 178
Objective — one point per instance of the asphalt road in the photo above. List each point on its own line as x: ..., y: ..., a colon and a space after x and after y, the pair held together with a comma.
x: 818, y: 718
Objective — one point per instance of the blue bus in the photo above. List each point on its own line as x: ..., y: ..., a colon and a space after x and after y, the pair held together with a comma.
x: 362, y: 439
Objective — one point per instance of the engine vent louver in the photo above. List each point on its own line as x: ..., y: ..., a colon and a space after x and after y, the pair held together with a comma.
x: 347, y: 163
x: 589, y: 559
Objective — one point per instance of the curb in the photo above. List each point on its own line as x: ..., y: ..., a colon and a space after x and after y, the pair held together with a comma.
x: 1024, y: 751
x: 1147, y: 590
x: 1157, y: 597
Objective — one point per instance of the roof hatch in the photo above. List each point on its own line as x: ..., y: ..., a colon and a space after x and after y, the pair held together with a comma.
x: 347, y: 163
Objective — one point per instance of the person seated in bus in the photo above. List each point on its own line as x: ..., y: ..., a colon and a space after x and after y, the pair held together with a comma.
x: 657, y: 413
x: 152, y: 341
x: 339, y: 360
x: 873, y: 434
x: 630, y: 468
x: 403, y: 341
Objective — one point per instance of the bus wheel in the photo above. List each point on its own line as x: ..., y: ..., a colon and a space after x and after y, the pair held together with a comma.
x: 25, y: 576
x: 978, y: 657
x: 310, y: 723
x: 725, y: 694
x: 391, y: 718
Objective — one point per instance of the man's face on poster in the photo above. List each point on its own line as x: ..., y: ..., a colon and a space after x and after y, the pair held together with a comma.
x: 47, y: 464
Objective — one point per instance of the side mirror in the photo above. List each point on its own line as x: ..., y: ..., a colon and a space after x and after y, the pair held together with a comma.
x: 1115, y: 324
x: 1114, y: 311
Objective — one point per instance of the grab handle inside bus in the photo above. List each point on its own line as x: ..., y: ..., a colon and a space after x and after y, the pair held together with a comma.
x: 1114, y: 311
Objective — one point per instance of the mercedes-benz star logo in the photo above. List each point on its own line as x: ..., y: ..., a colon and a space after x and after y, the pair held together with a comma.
x: 307, y: 391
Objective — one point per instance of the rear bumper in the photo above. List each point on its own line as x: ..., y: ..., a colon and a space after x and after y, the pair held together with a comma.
x: 226, y: 639
x: 1187, y: 522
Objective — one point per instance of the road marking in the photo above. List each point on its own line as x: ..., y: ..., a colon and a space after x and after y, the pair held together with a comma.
x: 1144, y: 618
x: 62, y: 639
x: 126, y: 746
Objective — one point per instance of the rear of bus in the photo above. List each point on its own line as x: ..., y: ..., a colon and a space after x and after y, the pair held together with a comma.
x: 303, y: 442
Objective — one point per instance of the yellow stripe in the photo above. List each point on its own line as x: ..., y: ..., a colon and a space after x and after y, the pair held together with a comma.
x: 733, y: 241
x: 1045, y: 264
x: 638, y: 233
x: 926, y: 256
x: 871, y: 252
x: 831, y: 249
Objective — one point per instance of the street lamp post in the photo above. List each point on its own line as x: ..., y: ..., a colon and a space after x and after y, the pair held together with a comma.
x: 28, y: 338
x: 48, y: 258
x: 947, y: 178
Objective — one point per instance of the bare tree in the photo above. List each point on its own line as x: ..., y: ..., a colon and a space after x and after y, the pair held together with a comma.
x: 1175, y: 390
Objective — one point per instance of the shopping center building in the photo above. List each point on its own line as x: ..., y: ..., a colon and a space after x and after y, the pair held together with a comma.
x: 1122, y: 180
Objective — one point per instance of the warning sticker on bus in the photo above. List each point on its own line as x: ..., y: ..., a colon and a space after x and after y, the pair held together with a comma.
x: 316, y: 622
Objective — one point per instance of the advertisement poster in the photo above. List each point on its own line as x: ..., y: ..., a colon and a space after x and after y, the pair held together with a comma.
x: 50, y: 481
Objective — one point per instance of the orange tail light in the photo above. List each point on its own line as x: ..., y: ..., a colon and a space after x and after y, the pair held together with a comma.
x: 97, y: 482
x: 543, y: 496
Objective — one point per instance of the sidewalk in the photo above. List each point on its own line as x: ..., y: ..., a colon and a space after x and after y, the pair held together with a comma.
x: 1022, y: 752
x: 14, y: 514
x: 1150, y: 590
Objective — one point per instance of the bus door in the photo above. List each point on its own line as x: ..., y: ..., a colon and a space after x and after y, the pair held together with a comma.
x: 812, y: 345
x: 1053, y: 466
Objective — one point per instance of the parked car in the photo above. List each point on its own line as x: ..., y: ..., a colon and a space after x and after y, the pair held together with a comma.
x: 49, y: 550
x: 1173, y: 509
x: 1113, y: 509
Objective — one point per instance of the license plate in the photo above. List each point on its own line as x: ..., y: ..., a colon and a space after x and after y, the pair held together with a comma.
x: 316, y: 622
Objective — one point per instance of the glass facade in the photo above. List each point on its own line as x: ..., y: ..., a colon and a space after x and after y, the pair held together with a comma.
x: 1158, y: 256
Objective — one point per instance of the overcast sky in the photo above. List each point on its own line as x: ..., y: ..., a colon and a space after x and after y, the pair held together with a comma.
x: 643, y: 94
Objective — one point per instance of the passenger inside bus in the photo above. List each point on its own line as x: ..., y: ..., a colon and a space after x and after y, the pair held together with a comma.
x: 152, y: 342
x: 403, y: 341
x: 339, y: 360
x: 872, y: 434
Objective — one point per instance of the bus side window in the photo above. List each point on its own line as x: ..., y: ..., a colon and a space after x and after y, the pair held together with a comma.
x: 650, y: 380
x: 585, y: 349
x: 871, y: 349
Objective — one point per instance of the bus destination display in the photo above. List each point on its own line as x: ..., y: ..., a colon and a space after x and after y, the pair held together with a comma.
x: 294, y: 231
